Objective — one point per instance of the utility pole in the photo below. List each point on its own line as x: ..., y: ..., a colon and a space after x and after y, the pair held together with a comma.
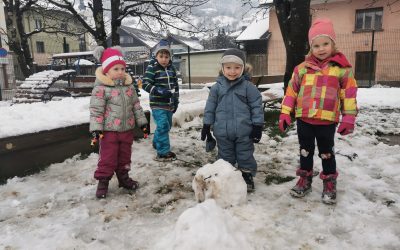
x: 371, y: 56
x: 190, y: 77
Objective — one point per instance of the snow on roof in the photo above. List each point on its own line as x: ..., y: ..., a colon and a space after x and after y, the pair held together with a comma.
x: 202, y: 52
x: 193, y: 44
x: 73, y: 54
x: 235, y: 33
x: 150, y: 39
x: 255, y: 30
x: 83, y: 62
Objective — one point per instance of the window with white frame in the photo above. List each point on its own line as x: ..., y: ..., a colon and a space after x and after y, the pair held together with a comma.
x: 369, y: 19
x: 38, y: 24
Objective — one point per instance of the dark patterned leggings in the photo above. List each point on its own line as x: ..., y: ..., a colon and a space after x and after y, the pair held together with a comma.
x: 325, y: 136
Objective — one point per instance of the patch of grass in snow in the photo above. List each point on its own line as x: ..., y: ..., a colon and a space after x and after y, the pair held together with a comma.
x: 273, y: 178
x: 271, y: 118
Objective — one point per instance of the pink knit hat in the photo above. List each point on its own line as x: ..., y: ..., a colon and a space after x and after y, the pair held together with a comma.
x: 321, y: 27
x: 111, y: 57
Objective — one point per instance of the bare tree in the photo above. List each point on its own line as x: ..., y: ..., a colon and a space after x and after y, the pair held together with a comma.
x: 167, y: 14
x: 95, y: 28
x: 17, y: 36
x: 294, y: 22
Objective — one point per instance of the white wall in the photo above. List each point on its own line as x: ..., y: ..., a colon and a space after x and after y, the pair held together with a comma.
x: 203, y: 64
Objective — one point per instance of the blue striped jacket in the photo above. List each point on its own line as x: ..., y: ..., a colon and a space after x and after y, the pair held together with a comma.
x: 157, y: 76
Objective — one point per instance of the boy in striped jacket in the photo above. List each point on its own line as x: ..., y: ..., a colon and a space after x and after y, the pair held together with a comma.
x: 321, y: 89
x: 161, y: 83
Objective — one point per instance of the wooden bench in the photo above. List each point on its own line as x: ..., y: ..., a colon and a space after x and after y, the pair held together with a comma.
x: 268, y: 98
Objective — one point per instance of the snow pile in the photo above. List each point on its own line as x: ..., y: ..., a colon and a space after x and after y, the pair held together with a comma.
x: 30, y: 118
x: 220, y: 181
x: 191, y: 105
x: 207, y: 226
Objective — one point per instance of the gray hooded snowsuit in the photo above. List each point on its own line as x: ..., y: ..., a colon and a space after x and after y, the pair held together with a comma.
x: 233, y: 107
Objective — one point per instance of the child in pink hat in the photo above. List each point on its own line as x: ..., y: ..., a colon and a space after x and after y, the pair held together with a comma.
x: 114, y: 111
x: 321, y: 94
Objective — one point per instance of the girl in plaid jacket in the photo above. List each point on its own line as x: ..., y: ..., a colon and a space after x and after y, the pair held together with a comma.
x: 321, y: 89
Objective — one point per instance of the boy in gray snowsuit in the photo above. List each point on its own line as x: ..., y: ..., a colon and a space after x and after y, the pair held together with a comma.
x: 234, y: 109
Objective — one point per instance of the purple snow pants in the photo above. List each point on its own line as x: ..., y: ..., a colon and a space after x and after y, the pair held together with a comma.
x: 114, y: 154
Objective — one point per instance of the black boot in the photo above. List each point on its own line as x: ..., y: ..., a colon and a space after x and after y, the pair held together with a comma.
x: 248, y: 178
x: 170, y: 156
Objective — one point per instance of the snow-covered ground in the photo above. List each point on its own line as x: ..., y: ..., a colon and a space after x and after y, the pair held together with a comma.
x: 57, y: 209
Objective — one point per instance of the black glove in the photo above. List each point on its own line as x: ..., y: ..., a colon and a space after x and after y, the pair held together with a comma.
x: 206, y: 132
x: 163, y: 92
x: 256, y: 133
x: 145, y: 131
x: 96, y: 135
x: 176, y: 103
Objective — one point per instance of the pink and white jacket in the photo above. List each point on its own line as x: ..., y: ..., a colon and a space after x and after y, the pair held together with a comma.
x: 114, y: 105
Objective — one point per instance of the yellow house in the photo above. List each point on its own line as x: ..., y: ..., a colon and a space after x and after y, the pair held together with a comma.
x: 365, y: 29
x: 44, y: 45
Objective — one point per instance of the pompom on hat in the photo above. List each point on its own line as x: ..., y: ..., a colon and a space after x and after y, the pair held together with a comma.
x: 163, y: 45
x: 321, y: 27
x: 109, y: 57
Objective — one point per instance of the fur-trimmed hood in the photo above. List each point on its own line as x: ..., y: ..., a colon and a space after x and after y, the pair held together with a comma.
x: 101, y: 77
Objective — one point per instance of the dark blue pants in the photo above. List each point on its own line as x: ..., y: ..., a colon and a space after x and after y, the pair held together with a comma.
x: 238, y: 150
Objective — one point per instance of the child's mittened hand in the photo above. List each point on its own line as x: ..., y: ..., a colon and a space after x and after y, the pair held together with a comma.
x: 206, y: 132
x: 96, y: 135
x: 145, y: 131
x: 346, y: 126
x: 256, y: 133
x: 163, y: 92
x: 176, y: 104
x: 284, y: 122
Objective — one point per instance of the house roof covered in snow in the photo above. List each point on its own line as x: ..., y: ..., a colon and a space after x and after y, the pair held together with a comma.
x: 149, y: 39
x: 73, y: 54
x: 258, y: 29
x: 201, y: 52
x: 194, y: 44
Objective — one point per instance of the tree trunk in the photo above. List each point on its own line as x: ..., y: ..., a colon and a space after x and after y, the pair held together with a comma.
x: 27, y: 70
x: 115, y: 22
x: 18, y: 41
x: 99, y: 33
x: 294, y: 22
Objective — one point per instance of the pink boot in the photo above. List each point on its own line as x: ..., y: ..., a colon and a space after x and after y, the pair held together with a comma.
x: 126, y: 182
x: 102, y: 189
x: 303, y: 185
x: 329, y: 192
